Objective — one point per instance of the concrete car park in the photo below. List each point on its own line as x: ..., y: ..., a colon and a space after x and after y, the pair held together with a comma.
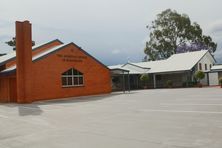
x: 152, y: 118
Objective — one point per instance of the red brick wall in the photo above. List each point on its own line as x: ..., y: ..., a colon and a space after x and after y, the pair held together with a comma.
x: 8, y: 89
x: 46, y: 76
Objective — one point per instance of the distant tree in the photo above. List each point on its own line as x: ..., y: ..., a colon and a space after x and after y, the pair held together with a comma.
x: 192, y: 47
x: 171, y: 31
x: 12, y: 43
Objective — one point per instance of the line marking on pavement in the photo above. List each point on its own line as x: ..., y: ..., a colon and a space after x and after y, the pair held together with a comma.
x: 191, y: 104
x: 183, y: 111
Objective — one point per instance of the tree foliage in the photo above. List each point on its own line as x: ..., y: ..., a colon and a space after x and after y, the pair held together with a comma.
x: 199, y: 75
x: 171, y: 31
x: 144, y: 78
x: 12, y: 43
x: 169, y: 83
x: 220, y: 81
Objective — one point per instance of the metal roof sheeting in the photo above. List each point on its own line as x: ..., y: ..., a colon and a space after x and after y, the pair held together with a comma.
x: 177, y: 62
x: 37, y: 57
x: 11, y: 55
x: 5, y: 58
x: 216, y: 68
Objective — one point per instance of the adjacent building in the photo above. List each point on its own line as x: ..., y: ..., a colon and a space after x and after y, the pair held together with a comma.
x: 179, y: 68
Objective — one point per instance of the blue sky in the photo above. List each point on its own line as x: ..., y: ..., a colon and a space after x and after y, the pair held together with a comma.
x: 114, y: 31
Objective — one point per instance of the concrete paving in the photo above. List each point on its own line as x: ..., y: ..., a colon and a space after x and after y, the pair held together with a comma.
x: 161, y: 118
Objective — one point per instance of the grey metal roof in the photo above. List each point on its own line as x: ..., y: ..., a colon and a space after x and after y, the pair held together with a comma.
x: 175, y: 63
x: 11, y: 55
x: 50, y: 51
x: 39, y: 56
x: 216, y: 68
x: 6, y: 58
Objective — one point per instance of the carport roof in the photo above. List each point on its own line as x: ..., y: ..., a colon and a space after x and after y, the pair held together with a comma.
x: 131, y: 68
x: 216, y: 68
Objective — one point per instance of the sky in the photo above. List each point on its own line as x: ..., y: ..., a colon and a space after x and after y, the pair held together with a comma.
x: 113, y: 31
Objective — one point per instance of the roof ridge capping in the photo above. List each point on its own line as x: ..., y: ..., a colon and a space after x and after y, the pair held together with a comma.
x: 41, y: 45
x: 134, y: 64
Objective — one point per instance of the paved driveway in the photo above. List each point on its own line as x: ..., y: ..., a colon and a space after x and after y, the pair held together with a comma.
x: 161, y: 118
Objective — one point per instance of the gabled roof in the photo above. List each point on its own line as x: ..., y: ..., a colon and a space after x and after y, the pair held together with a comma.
x: 8, y: 57
x: 177, y: 62
x: 37, y: 57
x: 132, y: 68
x: 41, y: 45
x: 11, y: 55
x: 49, y: 52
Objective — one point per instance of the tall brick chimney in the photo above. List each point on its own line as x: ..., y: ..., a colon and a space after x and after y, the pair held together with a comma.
x: 23, y: 61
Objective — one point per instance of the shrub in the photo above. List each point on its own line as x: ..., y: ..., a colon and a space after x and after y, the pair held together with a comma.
x: 144, y: 78
x: 192, y: 83
x: 169, y: 83
x: 184, y: 84
x: 220, y: 81
x: 199, y: 75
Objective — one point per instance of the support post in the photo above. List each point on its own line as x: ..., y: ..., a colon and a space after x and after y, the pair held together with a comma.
x: 154, y: 81
x: 128, y: 82
x: 123, y: 83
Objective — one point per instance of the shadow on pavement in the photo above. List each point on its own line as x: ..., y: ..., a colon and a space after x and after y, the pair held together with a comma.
x: 25, y: 109
x: 34, y: 109
x: 81, y: 99
x: 29, y: 109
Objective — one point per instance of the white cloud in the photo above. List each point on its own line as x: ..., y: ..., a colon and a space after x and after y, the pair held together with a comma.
x: 116, y: 51
x: 216, y: 27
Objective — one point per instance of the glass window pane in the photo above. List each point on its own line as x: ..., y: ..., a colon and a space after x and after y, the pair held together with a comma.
x: 70, y: 72
x: 72, y: 77
x: 64, y: 81
x: 76, y: 81
x: 69, y: 80
x: 80, y: 80
x: 75, y: 72
x: 80, y: 73
x: 65, y: 73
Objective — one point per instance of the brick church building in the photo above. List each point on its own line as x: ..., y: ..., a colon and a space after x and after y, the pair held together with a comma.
x: 49, y: 71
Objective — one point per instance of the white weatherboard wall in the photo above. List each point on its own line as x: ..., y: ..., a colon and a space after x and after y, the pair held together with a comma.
x: 208, y: 60
x: 213, y: 78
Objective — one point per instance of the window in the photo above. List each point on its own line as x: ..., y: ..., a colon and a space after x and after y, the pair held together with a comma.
x: 200, y: 66
x: 158, y: 77
x: 205, y: 66
x: 72, y: 77
x: 210, y: 66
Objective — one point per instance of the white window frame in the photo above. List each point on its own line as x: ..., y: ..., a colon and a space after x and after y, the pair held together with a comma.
x: 72, y: 76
